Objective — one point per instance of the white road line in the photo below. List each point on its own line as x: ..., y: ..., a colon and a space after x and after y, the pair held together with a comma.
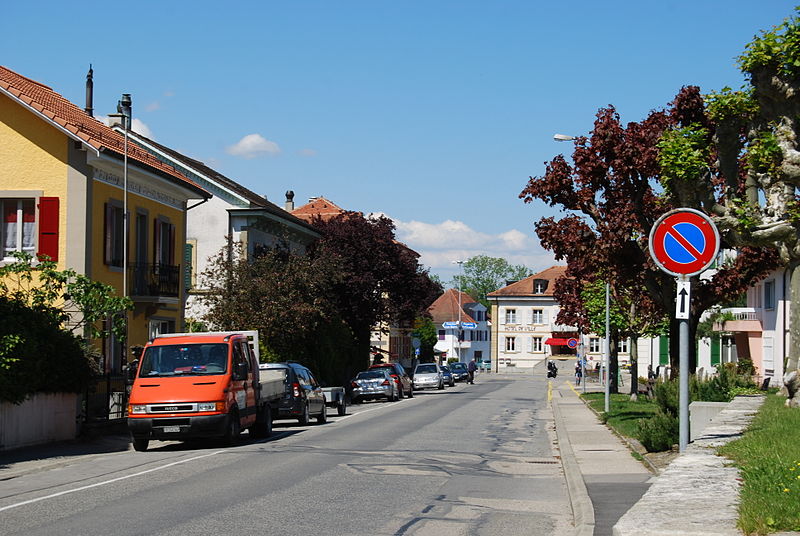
x: 98, y: 484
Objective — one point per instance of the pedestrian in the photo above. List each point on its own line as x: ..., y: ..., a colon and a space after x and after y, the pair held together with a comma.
x: 471, y: 368
x: 578, y: 373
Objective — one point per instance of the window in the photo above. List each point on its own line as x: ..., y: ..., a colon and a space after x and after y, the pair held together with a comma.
x: 511, y: 316
x: 164, y: 242
x: 511, y: 344
x: 19, y: 225
x: 539, y: 286
x: 114, y: 234
x: 594, y: 345
x: 537, y: 344
x: 441, y: 334
x: 623, y: 346
x: 769, y: 294
x: 537, y: 316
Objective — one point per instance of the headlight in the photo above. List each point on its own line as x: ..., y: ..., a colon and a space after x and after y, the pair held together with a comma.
x: 211, y: 406
x: 136, y: 408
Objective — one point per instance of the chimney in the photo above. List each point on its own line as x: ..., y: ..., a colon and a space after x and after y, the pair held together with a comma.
x: 89, y: 92
x: 124, y: 107
x: 289, y: 205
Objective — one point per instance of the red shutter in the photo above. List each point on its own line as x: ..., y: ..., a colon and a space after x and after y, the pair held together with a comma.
x: 48, y: 228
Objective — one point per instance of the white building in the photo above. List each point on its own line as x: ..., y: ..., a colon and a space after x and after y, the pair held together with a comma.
x: 466, y: 342
x: 234, y: 214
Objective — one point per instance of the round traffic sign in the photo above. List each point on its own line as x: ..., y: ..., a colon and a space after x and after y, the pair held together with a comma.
x: 572, y: 343
x: 684, y: 242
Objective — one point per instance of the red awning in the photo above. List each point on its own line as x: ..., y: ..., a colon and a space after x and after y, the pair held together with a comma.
x: 556, y: 342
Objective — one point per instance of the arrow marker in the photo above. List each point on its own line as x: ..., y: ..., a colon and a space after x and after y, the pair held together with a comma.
x: 684, y: 300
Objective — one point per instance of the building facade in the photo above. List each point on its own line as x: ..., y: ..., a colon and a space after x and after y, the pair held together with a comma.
x: 463, y: 327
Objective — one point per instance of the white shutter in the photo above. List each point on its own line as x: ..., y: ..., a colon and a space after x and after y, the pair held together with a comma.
x: 530, y: 345
x: 544, y: 316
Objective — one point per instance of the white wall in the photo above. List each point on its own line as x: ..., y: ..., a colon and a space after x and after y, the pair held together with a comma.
x: 43, y: 418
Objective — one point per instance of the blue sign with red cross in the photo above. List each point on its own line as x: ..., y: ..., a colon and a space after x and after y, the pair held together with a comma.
x: 684, y: 242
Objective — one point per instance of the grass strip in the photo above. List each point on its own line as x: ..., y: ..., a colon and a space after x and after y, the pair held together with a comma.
x: 624, y: 414
x: 768, y: 456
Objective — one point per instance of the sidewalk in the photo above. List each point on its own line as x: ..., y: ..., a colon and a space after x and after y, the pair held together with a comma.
x: 612, y: 493
x: 603, y: 478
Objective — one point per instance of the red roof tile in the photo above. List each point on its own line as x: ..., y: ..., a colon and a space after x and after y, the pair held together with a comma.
x: 319, y: 206
x: 525, y: 287
x: 445, y: 308
x: 90, y: 130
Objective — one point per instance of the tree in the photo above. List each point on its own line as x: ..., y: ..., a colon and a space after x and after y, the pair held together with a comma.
x: 484, y: 274
x: 613, y: 195
x: 425, y: 331
x: 740, y: 161
x: 379, y: 280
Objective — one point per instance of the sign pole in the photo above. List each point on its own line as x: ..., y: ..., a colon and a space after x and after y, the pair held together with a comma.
x: 683, y: 243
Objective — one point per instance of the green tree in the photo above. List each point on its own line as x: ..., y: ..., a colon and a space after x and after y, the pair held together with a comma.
x: 483, y: 274
x: 425, y: 331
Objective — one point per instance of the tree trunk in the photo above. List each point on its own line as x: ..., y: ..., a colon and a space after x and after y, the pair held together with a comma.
x: 613, y: 362
x: 634, y: 353
x: 791, y: 374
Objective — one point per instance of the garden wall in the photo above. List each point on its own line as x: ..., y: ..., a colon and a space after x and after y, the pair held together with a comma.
x: 42, y: 418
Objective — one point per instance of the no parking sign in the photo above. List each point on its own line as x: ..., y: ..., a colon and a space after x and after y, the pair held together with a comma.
x: 684, y: 242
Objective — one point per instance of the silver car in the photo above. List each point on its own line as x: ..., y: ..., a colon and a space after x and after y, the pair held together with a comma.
x: 428, y: 376
x: 375, y: 383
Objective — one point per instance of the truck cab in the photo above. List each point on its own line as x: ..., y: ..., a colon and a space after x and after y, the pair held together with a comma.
x: 197, y: 385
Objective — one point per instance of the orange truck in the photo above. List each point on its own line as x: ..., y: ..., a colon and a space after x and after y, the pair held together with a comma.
x: 201, y: 385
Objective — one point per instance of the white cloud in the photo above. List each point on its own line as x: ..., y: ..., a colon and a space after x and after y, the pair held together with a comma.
x: 137, y: 125
x: 153, y: 106
x: 307, y: 152
x: 253, y: 145
x: 439, y: 244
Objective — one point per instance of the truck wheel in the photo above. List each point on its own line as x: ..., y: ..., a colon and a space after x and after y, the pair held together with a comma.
x: 342, y: 408
x: 233, y: 430
x: 140, y: 443
x: 322, y: 418
x: 303, y: 418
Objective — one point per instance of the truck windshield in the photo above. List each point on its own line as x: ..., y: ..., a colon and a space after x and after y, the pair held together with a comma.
x: 184, y: 359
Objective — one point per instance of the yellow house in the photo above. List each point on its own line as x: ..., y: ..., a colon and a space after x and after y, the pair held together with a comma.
x: 65, y: 181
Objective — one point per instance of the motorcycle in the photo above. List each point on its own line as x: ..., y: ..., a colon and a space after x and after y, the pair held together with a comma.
x: 552, y: 370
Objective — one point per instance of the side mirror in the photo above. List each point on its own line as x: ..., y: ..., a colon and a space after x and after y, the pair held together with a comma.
x: 241, y: 371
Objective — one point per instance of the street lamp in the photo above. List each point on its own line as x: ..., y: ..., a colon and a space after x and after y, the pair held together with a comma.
x: 607, y: 349
x: 458, y: 320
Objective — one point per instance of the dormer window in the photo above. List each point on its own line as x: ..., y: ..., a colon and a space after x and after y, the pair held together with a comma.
x: 539, y: 286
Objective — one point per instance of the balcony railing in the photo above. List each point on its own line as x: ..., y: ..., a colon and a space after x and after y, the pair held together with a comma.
x: 159, y: 280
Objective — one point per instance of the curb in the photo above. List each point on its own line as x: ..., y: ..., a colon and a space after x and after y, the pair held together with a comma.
x: 581, y: 503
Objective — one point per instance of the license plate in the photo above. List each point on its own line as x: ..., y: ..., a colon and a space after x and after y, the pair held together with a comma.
x: 169, y: 429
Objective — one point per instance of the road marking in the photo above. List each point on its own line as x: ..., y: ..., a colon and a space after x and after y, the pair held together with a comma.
x: 573, y: 389
x: 549, y: 390
x: 98, y: 484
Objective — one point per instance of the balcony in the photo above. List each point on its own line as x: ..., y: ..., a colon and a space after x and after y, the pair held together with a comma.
x: 155, y: 282
x: 744, y: 319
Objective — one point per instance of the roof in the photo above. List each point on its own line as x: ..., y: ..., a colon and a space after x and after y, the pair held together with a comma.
x: 79, y: 125
x: 525, y: 287
x: 445, y: 307
x: 318, y: 206
x: 196, y: 166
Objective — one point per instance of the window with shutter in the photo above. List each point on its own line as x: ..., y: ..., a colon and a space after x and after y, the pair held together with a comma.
x: 48, y: 228
x: 18, y: 226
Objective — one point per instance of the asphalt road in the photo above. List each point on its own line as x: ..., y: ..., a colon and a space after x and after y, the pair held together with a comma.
x: 474, y: 459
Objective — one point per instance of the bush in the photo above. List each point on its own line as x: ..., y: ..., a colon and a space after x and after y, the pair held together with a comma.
x: 37, y: 355
x: 666, y: 395
x: 659, y: 432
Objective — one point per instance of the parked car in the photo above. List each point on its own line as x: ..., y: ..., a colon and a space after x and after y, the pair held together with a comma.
x: 400, y: 376
x: 485, y: 365
x: 375, y: 383
x: 459, y: 371
x: 447, y: 376
x: 428, y: 376
x: 302, y: 396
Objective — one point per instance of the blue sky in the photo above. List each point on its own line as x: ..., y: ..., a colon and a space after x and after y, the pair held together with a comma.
x: 432, y: 112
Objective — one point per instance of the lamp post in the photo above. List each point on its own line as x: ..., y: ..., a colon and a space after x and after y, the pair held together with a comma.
x: 460, y: 264
x: 607, y: 349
